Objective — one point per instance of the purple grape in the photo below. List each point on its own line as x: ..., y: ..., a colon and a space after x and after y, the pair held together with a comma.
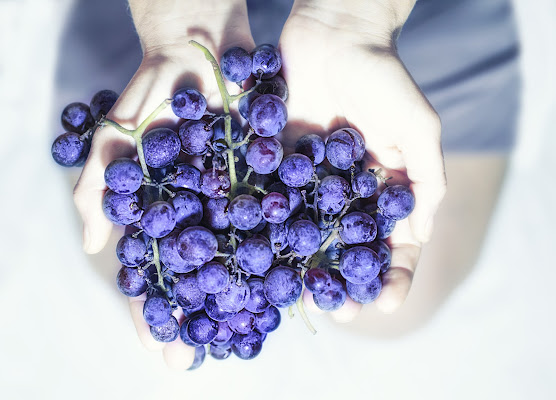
x: 269, y: 320
x: 254, y: 255
x: 296, y: 170
x: 196, y: 245
x: 236, y: 64
x: 384, y: 254
x: 358, y: 227
x: 266, y: 61
x: 396, y: 202
x: 77, y: 118
x: 188, y: 103
x: 131, y: 281
x: 245, y: 212
x: 159, y: 219
x: 215, y: 183
x: 188, y: 177
x: 131, y: 251
x: 194, y: 136
x: 277, y: 235
x: 219, y: 130
x: 167, y: 332
x: 292, y: 194
x: 245, y: 103
x: 184, y: 336
x: 170, y: 257
x: 332, y: 194
x: 224, y: 334
x: 247, y: 346
x: 188, y: 312
x: 188, y: 207
x: 317, y: 280
x: 220, y: 352
x: 243, y: 322
x: 234, y: 297
x: 312, y: 146
x: 215, y: 212
x: 200, y: 354
x: 364, y: 293
x: 157, y: 310
x: 359, y: 265
x: 69, y: 150
x: 201, y: 329
x: 384, y: 226
x: 257, y: 301
x: 264, y: 155
x: 344, y: 147
x: 216, y: 312
x: 102, y: 102
x: 187, y: 293
x: 275, y: 85
x: 267, y: 115
x: 121, y: 209
x: 304, y: 237
x: 331, y: 299
x: 275, y: 207
x: 123, y: 175
x: 213, y: 277
x: 282, y: 286
x: 364, y: 184
x: 161, y: 147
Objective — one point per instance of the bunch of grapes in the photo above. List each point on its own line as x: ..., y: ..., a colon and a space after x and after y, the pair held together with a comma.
x: 233, y: 242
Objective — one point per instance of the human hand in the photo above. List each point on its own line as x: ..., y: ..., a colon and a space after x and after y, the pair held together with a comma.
x: 342, y: 69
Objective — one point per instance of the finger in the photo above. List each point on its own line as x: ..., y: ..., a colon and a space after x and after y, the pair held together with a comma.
x: 143, y: 329
x: 347, y: 312
x: 178, y: 355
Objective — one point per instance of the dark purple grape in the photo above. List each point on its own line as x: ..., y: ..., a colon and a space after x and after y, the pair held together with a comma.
x: 213, y: 277
x: 275, y: 85
x: 123, y: 175
x: 317, y: 280
x: 359, y: 265
x: 187, y: 292
x: 396, y: 202
x: 220, y: 352
x: 167, y: 332
x: 215, y: 311
x: 243, y: 322
x: 157, y: 310
x: 364, y: 184
x: 304, y: 237
x: 215, y: 212
x: 131, y: 281
x: 234, y: 297
x: 266, y: 61
x: 188, y: 312
x: 200, y: 354
x: 275, y: 207
x: 332, y: 194
x: 189, y: 103
x: 77, y: 118
x: 268, y: 320
x: 161, y: 147
x: 170, y: 257
x: 257, y: 301
x: 236, y: 64
x: 196, y: 245
x: 254, y: 255
x: 312, y: 146
x: 224, y: 334
x: 131, y: 251
x: 219, y: 136
x: 201, y: 329
x: 344, y: 147
x: 188, y: 207
x: 102, y: 102
x: 121, y: 209
x: 364, y: 293
x: 159, y: 219
x: 267, y: 115
x: 245, y: 212
x: 247, y: 346
x: 195, y: 136
x: 296, y: 170
x: 282, y: 286
x: 331, y: 299
x: 68, y: 150
x: 184, y: 336
x: 384, y: 254
x: 358, y: 227
x: 264, y: 155
x: 384, y: 226
x: 188, y: 177
x: 245, y: 103
x: 277, y: 235
x: 215, y: 183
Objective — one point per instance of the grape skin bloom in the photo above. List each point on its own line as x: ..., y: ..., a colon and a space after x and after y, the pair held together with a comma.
x: 267, y: 115
x: 264, y: 155
x: 359, y: 265
x: 161, y: 147
x: 296, y: 170
x: 304, y: 237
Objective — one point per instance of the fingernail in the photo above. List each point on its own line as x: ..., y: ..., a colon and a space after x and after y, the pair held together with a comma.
x: 86, y: 238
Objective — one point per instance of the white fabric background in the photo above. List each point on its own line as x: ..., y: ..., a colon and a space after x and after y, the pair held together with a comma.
x: 65, y: 331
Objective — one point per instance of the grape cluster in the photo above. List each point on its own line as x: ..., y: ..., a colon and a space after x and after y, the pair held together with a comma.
x: 236, y: 240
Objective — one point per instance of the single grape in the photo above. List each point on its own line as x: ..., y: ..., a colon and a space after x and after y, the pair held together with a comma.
x: 200, y: 354
x: 254, y: 255
x: 344, y: 147
x: 201, y: 329
x: 236, y: 64
x: 215, y: 212
x: 358, y: 227
x: 304, y: 237
x: 312, y: 146
x: 184, y: 336
x: 364, y: 184
x: 275, y: 207
x: 332, y: 194
x: 275, y: 85
x: 188, y: 177
x: 220, y: 352
x: 247, y: 346
x: 282, y: 286
x: 264, y: 155
x: 213, y: 277
x: 157, y: 310
x: 189, y: 103
x: 68, y: 150
x: 257, y: 301
x: 170, y: 257
x: 364, y: 293
x: 131, y: 281
x: 215, y: 183
x: 131, y: 251
x: 317, y: 280
x: 267, y: 115
x: 123, y: 175
x: 215, y: 312
x: 167, y: 332
x: 161, y: 147
x: 296, y: 170
x: 219, y: 136
x: 77, y: 118
x: 224, y: 334
x: 102, y: 103
x: 359, y: 265
x: 384, y: 254
x: 159, y: 219
x: 234, y: 297
x: 195, y: 136
x: 266, y: 61
x: 243, y: 322
x: 196, y: 245
x: 121, y: 209
x: 188, y: 207
x: 245, y: 212
x: 268, y: 320
x: 331, y: 299
x: 396, y: 202
x: 187, y: 292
